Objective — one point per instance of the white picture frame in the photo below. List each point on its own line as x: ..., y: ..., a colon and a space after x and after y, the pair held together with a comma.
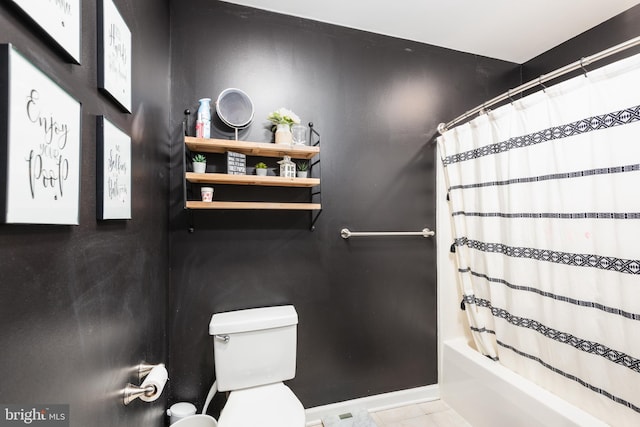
x: 40, y: 137
x: 113, y: 171
x: 114, y: 55
x: 60, y: 20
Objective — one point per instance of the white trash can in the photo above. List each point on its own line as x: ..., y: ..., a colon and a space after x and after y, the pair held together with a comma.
x: 180, y: 410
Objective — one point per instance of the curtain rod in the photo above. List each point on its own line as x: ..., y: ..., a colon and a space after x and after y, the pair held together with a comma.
x: 583, y: 62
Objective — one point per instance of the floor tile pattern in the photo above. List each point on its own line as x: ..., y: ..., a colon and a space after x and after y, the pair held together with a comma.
x: 435, y: 413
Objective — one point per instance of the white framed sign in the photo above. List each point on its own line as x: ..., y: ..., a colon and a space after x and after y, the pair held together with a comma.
x: 39, y: 145
x: 114, y: 54
x: 60, y: 19
x: 113, y: 171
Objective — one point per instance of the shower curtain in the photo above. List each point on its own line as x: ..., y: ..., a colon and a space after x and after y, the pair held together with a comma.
x: 544, y: 194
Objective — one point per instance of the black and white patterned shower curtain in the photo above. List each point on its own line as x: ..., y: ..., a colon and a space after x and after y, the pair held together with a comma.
x: 545, y: 201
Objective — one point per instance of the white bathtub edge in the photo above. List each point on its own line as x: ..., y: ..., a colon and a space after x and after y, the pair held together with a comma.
x: 501, y: 393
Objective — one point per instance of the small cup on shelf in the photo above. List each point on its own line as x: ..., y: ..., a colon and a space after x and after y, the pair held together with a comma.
x: 207, y: 194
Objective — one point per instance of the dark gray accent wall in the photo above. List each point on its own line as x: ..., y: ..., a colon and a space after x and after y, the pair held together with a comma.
x: 82, y: 305
x: 616, y: 30
x: 367, y: 307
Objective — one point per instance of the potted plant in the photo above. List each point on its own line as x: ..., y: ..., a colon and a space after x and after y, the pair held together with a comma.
x: 282, y: 120
x: 261, y: 169
x: 303, y: 168
x: 199, y: 163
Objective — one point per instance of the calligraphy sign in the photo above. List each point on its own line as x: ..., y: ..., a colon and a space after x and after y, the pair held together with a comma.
x: 60, y: 19
x: 113, y: 171
x: 114, y: 55
x: 40, y: 140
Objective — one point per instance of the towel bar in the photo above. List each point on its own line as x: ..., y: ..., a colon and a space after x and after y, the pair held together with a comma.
x: 345, y: 233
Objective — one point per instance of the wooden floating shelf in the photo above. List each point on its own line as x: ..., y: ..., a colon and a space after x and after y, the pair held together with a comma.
x: 268, y: 181
x: 260, y: 149
x: 253, y: 205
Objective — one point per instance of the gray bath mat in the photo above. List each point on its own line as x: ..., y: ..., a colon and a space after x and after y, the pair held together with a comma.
x: 356, y: 418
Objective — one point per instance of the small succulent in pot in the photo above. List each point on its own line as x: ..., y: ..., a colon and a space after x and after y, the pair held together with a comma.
x: 261, y: 169
x: 199, y: 163
x: 303, y: 168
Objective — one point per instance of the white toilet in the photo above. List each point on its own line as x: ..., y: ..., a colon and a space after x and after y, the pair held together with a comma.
x: 254, y: 352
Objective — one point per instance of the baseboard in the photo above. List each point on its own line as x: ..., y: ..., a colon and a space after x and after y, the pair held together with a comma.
x: 379, y: 402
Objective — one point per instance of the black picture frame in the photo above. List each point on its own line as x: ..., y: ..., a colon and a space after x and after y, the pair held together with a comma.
x: 113, y: 171
x: 114, y: 55
x: 59, y: 21
x: 40, y: 145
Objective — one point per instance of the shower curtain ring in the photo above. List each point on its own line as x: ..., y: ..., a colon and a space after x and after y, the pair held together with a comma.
x: 509, y: 95
x: 584, y: 70
x: 483, y: 110
x: 544, y: 88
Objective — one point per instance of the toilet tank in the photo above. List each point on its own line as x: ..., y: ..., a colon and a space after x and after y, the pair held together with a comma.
x: 254, y: 347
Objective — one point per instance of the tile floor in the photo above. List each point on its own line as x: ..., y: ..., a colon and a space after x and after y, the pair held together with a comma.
x: 429, y: 414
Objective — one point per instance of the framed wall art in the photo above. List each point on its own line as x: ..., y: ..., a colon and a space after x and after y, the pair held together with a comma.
x: 60, y: 20
x: 39, y: 145
x: 113, y: 171
x: 114, y: 55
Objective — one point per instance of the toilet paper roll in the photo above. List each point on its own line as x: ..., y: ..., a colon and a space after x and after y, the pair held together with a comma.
x: 158, y: 378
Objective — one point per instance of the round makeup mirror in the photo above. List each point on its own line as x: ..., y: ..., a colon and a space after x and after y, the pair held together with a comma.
x: 235, y: 109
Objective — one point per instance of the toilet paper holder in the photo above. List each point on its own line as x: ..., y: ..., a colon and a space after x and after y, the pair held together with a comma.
x: 143, y: 370
x: 132, y: 392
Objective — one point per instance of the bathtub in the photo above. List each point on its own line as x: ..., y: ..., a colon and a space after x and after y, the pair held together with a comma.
x: 487, y: 394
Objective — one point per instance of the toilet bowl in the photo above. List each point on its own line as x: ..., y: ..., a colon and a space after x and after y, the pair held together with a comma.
x: 254, y: 352
x: 196, y: 421
x: 272, y: 405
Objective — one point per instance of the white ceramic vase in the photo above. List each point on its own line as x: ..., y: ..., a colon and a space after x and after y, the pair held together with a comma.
x: 283, y: 134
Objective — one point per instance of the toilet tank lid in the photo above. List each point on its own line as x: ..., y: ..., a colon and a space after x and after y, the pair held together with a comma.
x: 253, y: 319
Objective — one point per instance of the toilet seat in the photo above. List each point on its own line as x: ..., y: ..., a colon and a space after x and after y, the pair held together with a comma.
x: 272, y: 405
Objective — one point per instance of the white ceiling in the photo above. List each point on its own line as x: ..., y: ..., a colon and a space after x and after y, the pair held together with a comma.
x: 512, y: 30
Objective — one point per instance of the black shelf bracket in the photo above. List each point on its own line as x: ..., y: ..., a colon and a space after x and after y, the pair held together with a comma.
x: 316, y: 195
x: 187, y: 188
